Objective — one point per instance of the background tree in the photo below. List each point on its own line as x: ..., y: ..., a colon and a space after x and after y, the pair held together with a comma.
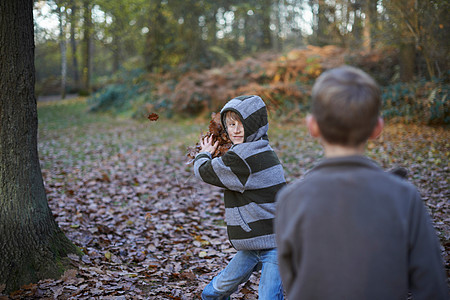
x: 190, y: 27
x: 87, y: 47
x: 371, y: 24
x: 322, y: 23
x: 32, y: 246
x: 73, y: 43
x: 118, y: 30
x: 63, y: 46
x: 358, y: 24
x: 404, y: 14
x: 157, y: 38
x: 421, y: 31
x: 184, y: 35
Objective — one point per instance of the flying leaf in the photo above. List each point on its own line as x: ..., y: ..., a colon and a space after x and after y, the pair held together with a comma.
x: 152, y: 117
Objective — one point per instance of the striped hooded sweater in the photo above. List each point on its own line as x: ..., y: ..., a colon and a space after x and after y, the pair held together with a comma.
x: 251, y: 176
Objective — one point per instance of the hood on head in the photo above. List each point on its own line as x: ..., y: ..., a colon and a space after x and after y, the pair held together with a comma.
x: 253, y: 113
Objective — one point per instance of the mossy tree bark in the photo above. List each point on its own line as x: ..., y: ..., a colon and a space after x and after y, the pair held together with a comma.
x: 32, y: 246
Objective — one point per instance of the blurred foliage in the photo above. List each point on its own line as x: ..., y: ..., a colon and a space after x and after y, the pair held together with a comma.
x: 381, y: 64
x: 284, y: 82
x: 420, y: 102
x: 128, y: 93
x: 182, y: 36
x: 125, y: 88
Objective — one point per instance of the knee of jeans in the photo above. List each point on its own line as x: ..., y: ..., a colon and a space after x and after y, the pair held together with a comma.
x: 221, y: 288
x: 211, y: 293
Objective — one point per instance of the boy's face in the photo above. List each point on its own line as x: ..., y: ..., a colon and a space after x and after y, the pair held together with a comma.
x: 235, y: 130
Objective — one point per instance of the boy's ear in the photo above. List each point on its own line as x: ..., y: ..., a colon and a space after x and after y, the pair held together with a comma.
x: 312, y: 125
x: 377, y: 129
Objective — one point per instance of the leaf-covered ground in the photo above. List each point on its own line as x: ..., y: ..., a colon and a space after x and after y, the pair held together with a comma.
x: 121, y: 191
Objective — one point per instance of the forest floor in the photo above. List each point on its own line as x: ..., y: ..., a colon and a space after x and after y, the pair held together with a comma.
x: 123, y: 192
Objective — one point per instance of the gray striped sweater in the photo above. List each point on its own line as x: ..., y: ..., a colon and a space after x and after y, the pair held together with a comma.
x: 251, y: 175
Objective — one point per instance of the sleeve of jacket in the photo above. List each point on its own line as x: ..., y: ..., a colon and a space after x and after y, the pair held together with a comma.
x: 284, y: 244
x: 426, y: 271
x: 229, y: 171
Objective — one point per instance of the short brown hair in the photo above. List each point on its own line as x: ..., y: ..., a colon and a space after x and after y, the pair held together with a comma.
x: 232, y: 115
x: 346, y: 104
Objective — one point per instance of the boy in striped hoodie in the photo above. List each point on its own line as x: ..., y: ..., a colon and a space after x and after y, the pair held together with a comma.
x: 251, y: 175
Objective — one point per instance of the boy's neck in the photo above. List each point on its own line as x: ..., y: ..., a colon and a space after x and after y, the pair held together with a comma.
x: 333, y: 150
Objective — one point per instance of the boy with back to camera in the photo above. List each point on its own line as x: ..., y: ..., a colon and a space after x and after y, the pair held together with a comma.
x: 349, y: 230
x: 251, y: 175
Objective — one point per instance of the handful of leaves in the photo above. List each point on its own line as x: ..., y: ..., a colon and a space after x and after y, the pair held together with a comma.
x: 218, y: 133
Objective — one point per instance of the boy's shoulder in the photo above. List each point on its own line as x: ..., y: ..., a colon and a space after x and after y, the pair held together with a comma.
x: 326, y: 176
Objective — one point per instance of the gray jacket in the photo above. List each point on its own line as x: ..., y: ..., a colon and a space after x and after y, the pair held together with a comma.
x: 349, y: 230
x: 251, y: 175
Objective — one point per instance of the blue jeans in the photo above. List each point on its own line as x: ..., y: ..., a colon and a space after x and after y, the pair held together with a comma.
x: 239, y: 271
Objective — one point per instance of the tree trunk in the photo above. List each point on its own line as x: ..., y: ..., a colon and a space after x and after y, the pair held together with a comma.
x: 408, y: 38
x: 73, y: 43
x: 86, y: 73
x: 32, y: 247
x: 192, y: 32
x: 211, y: 23
x: 248, y: 32
x: 266, y: 11
x: 372, y: 22
x: 117, y: 32
x: 358, y: 25
x: 407, y: 61
x: 116, y: 46
x: 321, y: 30
x: 154, y: 39
x: 63, y: 47
x: 276, y: 36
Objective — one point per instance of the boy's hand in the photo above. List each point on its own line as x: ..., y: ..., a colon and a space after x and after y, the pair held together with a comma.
x: 207, y: 145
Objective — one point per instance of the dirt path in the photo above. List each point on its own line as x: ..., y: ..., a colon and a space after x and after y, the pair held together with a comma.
x: 48, y: 98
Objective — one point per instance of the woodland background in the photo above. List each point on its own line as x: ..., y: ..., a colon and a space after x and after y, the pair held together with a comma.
x: 121, y: 187
x: 190, y: 57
